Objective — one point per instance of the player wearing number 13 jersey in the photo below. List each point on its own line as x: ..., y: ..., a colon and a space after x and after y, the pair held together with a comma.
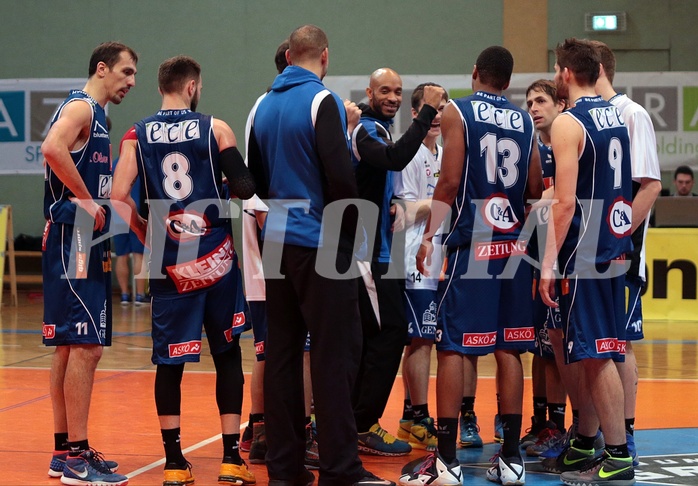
x: 486, y: 220
x: 490, y: 167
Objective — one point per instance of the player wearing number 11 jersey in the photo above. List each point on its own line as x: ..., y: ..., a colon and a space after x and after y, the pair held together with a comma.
x: 195, y: 279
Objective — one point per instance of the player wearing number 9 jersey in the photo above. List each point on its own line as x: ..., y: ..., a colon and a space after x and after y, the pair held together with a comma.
x: 195, y: 279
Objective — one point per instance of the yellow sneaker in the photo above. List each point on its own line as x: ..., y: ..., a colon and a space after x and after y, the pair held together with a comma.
x: 177, y: 477
x: 233, y: 474
x: 423, y: 435
x: 403, y: 431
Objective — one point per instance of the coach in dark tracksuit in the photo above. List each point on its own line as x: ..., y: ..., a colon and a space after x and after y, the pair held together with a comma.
x: 375, y: 157
x: 298, y: 154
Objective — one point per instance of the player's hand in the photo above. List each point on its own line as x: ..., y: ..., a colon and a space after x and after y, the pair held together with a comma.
x: 98, y: 213
x: 433, y: 96
x: 141, y: 230
x: 353, y: 115
x: 547, y: 287
x: 398, y: 213
x: 424, y: 255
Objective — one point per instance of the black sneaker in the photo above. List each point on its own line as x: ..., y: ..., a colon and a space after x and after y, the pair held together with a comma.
x: 306, y: 478
x: 370, y: 479
x: 258, y: 448
x: 606, y: 470
x: 570, y: 459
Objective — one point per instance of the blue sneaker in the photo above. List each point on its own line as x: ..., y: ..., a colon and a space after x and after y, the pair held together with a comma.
x: 560, y: 446
x: 55, y: 469
x: 630, y: 439
x: 88, y: 469
x: 379, y: 442
x: 141, y: 300
x: 469, y: 431
x: 125, y: 299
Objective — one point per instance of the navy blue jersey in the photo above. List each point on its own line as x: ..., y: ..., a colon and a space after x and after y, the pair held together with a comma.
x: 490, y: 202
x: 538, y: 236
x: 92, y: 160
x: 177, y: 157
x: 547, y: 161
x: 600, y: 228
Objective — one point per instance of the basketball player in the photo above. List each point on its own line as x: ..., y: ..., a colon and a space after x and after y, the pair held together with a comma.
x: 179, y: 155
x: 414, y: 185
x: 76, y: 271
x: 491, y: 168
x: 549, y: 397
x: 646, y: 187
x: 592, y: 183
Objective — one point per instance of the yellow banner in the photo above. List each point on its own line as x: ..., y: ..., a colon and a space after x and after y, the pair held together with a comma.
x: 3, y: 241
x: 672, y: 260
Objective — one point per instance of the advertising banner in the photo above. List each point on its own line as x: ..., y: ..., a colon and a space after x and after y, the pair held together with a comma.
x: 26, y: 108
x: 672, y: 263
x: 3, y: 242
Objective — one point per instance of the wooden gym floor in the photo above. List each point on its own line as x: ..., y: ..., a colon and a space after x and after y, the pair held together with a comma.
x: 124, y: 426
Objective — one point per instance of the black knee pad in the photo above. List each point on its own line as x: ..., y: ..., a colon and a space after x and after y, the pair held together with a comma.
x: 229, y: 379
x: 168, y: 393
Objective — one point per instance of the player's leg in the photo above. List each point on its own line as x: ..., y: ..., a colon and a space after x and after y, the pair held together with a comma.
x: 469, y: 429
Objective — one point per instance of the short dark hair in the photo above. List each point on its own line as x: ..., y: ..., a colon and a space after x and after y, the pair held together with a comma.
x: 109, y: 53
x: 683, y: 169
x: 494, y: 66
x: 176, y: 71
x: 580, y: 57
x: 546, y: 86
x: 418, y: 94
x: 608, y: 59
x: 307, y: 41
x: 280, y: 56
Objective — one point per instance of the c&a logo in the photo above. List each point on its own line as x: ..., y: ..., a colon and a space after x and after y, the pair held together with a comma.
x: 498, y: 213
x: 620, y: 217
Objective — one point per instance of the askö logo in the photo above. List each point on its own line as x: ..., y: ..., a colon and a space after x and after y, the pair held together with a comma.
x: 182, y: 349
x: 480, y: 339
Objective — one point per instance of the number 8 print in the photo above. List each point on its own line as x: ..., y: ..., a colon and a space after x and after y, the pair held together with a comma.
x: 177, y: 183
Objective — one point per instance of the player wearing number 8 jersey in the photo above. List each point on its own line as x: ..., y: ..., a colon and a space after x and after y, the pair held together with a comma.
x: 179, y: 155
x: 490, y: 167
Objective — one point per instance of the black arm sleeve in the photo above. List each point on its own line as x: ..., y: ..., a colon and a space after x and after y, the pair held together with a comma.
x: 396, y: 156
x: 337, y: 167
x: 254, y: 161
x: 240, y: 180
x: 333, y: 152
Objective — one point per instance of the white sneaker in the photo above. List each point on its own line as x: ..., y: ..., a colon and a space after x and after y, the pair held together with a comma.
x: 509, y: 471
x: 430, y: 470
